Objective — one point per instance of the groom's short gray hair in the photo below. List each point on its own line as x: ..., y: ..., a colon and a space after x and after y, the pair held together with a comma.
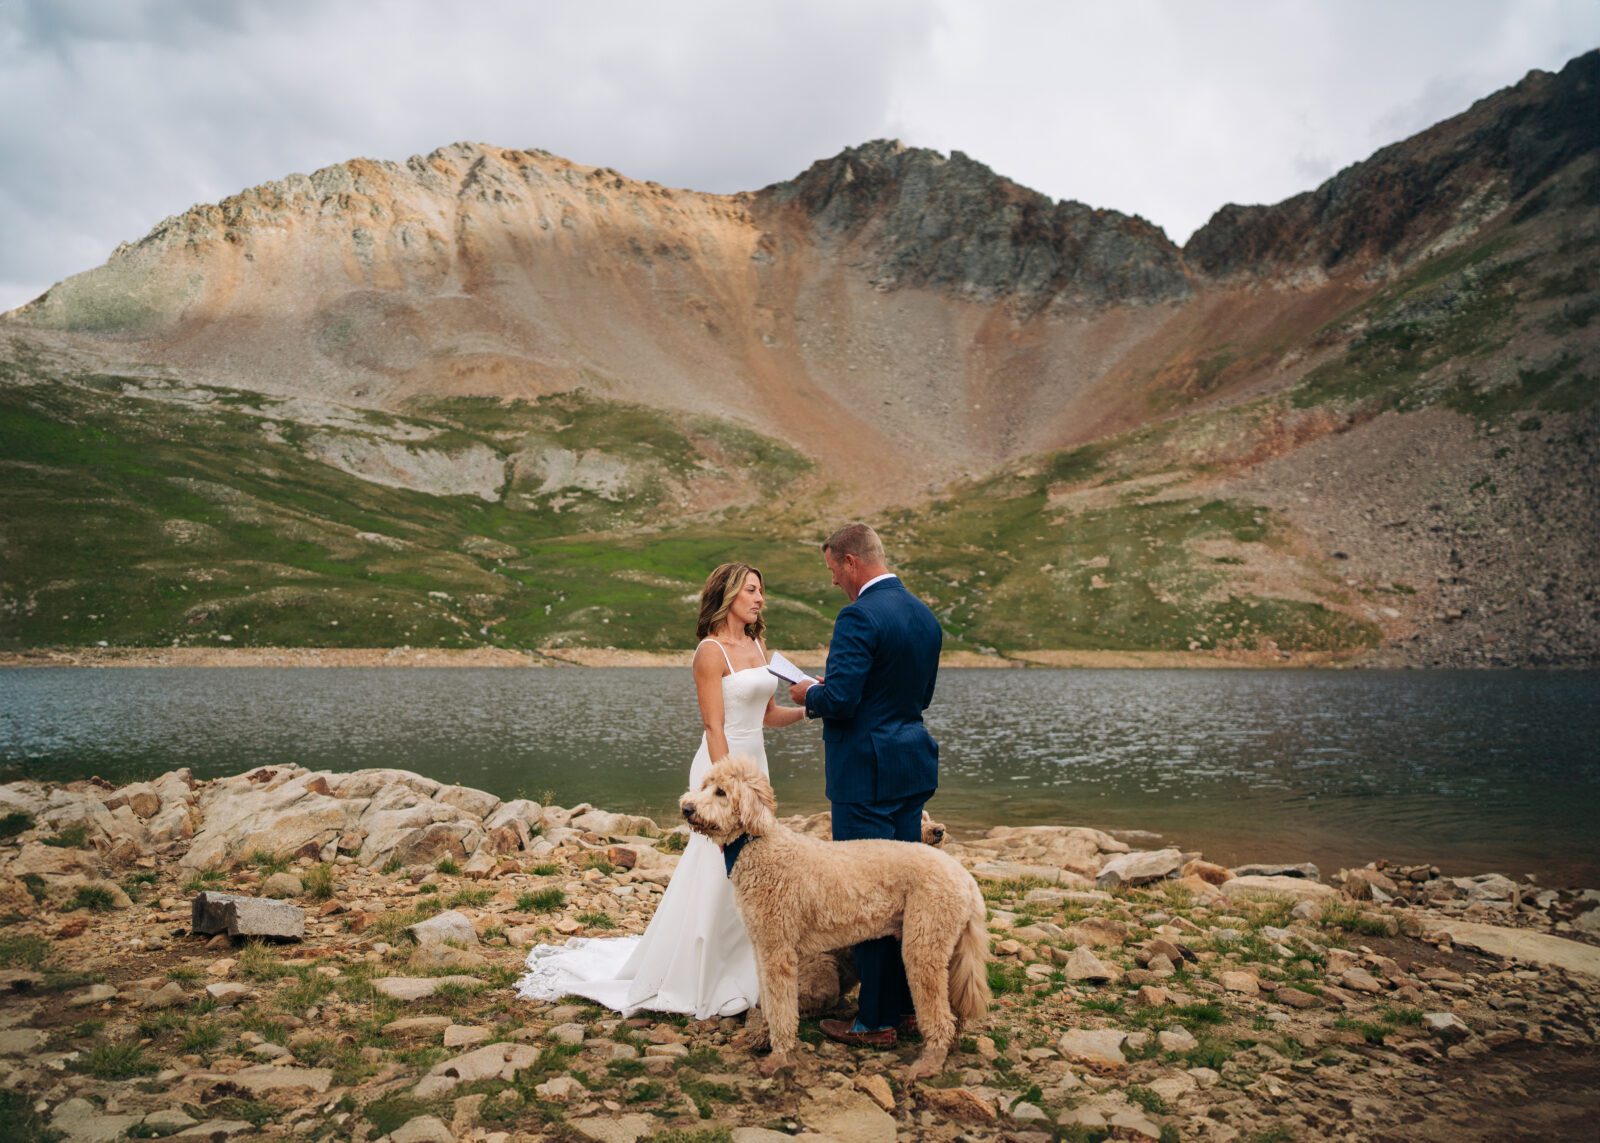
x: 856, y: 540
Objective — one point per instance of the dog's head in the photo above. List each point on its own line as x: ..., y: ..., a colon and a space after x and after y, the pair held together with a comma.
x: 932, y: 831
x: 734, y: 799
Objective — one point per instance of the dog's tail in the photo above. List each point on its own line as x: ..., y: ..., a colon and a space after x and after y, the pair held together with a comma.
x: 969, y: 966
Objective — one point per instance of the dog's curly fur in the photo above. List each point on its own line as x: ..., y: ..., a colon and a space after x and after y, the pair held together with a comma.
x: 800, y: 896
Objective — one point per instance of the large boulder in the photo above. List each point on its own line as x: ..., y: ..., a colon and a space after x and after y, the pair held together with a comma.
x: 1140, y: 868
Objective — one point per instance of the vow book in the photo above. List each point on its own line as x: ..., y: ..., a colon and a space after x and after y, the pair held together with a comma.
x: 786, y: 670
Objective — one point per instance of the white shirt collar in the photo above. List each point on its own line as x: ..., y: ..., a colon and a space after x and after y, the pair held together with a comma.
x: 873, y: 580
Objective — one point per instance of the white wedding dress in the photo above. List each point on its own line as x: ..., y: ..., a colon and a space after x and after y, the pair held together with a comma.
x: 694, y: 957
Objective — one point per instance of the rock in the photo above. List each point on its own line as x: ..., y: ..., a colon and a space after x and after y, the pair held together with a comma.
x: 876, y: 1087
x: 1487, y: 888
x: 169, y: 995
x: 958, y: 1103
x: 1084, y: 965
x: 1244, y: 983
x: 1294, y: 998
x: 228, y: 994
x: 1101, y: 1047
x: 1131, y: 1121
x: 449, y: 927
x: 270, y: 1078
x: 282, y: 885
x: 1360, y: 980
x: 246, y: 917
x: 1359, y: 883
x: 493, y: 1061
x: 1102, y: 932
x: 94, y: 994
x: 1139, y: 868
x: 431, y: 956
x: 167, y: 1121
x: 462, y: 1036
x: 622, y: 1129
x: 1280, y: 888
x: 22, y: 1041
x: 481, y: 865
x: 214, y: 1129
x: 1176, y: 1039
x: 1304, y: 869
x: 670, y: 1051
x: 1523, y: 944
x: 1446, y: 1025
x: 427, y: 1027
x: 759, y: 1135
x: 574, y: 1034
x: 608, y: 824
x: 561, y: 1089
x: 1209, y: 872
x: 1025, y: 1111
x: 419, y: 987
x: 82, y: 1122
x: 1152, y: 996
x: 848, y: 1116
x: 423, y: 1129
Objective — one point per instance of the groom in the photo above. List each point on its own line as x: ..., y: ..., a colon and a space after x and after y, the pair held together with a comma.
x: 882, y: 764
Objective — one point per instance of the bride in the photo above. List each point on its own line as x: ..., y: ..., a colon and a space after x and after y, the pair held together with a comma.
x: 694, y: 956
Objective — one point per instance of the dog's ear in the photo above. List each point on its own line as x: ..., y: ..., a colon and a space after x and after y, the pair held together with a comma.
x: 753, y: 800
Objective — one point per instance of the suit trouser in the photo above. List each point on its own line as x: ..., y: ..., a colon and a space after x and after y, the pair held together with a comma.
x: 885, y: 996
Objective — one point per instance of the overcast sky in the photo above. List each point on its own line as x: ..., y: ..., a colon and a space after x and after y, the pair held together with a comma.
x: 118, y: 113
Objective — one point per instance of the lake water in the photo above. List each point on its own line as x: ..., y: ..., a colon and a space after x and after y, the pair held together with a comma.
x: 1475, y: 771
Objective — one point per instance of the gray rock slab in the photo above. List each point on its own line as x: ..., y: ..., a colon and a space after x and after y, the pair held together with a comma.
x: 617, y: 1129
x: 419, y: 987
x: 265, y: 1078
x: 22, y: 1041
x: 495, y: 1061
x: 1522, y: 944
x: 1300, y: 869
x: 447, y: 928
x: 423, y: 1129
x: 80, y: 1121
x: 1280, y: 888
x: 848, y: 1116
x: 240, y: 916
x: 1100, y: 1046
x: 219, y: 1129
x: 1140, y: 867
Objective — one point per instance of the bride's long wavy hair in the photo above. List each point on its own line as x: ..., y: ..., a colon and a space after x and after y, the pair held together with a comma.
x: 722, y: 587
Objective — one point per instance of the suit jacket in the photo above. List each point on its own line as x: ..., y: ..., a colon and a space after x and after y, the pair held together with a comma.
x: 882, y: 663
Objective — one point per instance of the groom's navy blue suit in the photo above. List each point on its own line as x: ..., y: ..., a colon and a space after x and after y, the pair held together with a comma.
x: 882, y: 764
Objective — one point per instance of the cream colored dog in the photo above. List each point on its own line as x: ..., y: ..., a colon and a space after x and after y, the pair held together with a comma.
x: 800, y: 896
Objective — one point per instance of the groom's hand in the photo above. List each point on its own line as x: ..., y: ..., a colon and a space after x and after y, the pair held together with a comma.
x: 797, y: 691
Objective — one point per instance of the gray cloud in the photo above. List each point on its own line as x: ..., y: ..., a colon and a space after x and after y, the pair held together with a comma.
x: 121, y: 112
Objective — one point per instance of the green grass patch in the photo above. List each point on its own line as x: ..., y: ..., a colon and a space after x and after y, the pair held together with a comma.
x: 541, y: 900
x: 14, y: 823
x: 115, y: 1060
x: 318, y: 881
x: 26, y: 950
x: 470, y: 898
x: 596, y: 920
x: 95, y: 898
x: 69, y: 837
x: 1006, y: 978
x: 448, y: 866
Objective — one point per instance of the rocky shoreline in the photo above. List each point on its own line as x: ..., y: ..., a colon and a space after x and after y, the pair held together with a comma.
x: 1141, y: 993
x: 813, y: 659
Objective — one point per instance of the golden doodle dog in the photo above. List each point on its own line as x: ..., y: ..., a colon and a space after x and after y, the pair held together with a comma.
x: 800, y: 896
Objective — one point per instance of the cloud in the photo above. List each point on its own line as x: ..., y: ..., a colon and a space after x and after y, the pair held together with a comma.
x: 122, y: 112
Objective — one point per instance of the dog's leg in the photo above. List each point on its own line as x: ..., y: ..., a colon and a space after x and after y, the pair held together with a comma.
x: 927, y: 959
x: 755, y: 1037
x: 780, y: 1003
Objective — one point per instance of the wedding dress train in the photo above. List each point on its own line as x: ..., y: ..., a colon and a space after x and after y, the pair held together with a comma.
x: 694, y: 957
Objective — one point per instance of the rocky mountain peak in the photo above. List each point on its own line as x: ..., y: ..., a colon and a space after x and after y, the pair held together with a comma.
x: 950, y: 222
x: 1417, y: 196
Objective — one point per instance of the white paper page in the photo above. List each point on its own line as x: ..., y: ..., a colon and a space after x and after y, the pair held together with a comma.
x: 786, y: 670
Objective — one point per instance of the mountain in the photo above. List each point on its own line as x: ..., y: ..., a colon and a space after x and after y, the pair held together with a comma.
x: 491, y: 395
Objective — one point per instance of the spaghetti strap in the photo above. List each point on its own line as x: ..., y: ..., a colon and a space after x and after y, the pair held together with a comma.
x: 720, y: 647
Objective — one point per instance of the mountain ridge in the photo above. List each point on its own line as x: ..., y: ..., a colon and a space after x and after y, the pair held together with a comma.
x: 580, y: 354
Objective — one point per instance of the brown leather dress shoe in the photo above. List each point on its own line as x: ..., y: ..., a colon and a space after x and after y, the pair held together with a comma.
x: 839, y: 1030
